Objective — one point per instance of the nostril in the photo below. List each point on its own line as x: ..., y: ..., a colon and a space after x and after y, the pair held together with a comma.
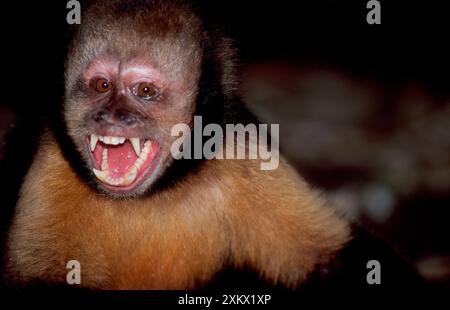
x: 101, y: 116
x: 126, y: 117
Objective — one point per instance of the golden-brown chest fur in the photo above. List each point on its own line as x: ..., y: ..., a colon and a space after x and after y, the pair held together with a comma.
x: 228, y: 211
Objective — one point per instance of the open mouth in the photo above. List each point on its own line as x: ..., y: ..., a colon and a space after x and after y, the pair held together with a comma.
x: 121, y: 163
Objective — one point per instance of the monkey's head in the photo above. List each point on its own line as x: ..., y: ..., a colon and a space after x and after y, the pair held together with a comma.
x: 133, y: 72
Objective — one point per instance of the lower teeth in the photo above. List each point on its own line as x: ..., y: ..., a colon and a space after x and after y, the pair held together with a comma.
x: 131, y: 174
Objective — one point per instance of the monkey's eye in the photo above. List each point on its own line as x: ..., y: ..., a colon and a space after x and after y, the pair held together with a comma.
x: 101, y: 85
x: 145, y: 90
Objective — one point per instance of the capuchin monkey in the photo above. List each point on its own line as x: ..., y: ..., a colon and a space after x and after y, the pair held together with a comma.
x: 105, y: 190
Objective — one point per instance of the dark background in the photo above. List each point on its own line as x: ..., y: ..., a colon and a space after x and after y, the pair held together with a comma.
x: 364, y: 110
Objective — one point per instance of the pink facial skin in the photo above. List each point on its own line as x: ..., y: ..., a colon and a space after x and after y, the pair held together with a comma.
x: 125, y: 75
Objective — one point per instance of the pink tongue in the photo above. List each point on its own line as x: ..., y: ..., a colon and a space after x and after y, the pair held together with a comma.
x: 120, y: 158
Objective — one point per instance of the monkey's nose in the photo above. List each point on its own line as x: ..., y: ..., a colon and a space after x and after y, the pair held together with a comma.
x: 102, y: 116
x: 125, y: 117
x: 116, y: 117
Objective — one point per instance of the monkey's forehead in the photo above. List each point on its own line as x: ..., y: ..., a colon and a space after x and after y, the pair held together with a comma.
x: 168, y: 64
x: 164, y: 33
x: 159, y: 19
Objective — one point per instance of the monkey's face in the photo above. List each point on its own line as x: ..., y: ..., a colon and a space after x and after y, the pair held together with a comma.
x: 132, y: 73
x: 120, y: 112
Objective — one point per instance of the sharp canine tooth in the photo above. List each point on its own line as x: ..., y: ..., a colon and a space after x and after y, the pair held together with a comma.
x: 136, y: 145
x: 94, y: 140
